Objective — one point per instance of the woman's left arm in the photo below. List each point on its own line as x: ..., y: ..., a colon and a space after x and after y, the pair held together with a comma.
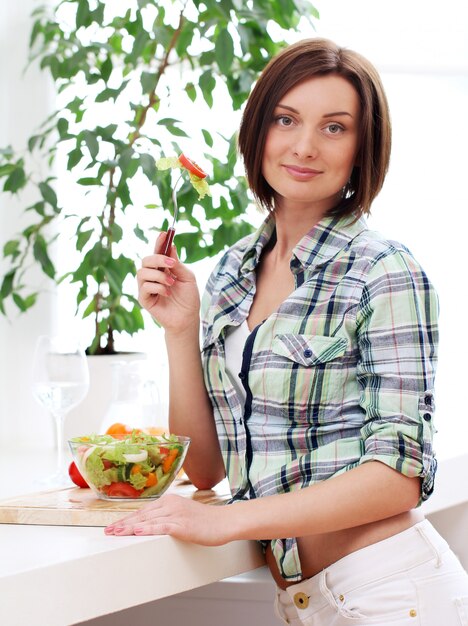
x: 367, y: 493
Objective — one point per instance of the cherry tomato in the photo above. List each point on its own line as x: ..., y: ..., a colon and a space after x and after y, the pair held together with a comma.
x: 76, y: 477
x: 122, y: 490
x: 191, y: 166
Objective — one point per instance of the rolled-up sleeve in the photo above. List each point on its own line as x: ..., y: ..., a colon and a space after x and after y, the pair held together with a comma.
x: 397, y: 339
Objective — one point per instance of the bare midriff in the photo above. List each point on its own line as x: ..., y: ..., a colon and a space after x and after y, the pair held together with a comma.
x: 319, y: 551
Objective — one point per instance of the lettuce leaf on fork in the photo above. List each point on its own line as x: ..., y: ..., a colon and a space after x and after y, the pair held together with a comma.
x: 199, y: 184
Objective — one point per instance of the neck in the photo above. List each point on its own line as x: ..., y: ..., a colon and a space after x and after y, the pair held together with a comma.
x: 291, y: 226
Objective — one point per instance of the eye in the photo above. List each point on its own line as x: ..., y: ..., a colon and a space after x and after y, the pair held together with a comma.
x: 334, y: 128
x: 284, y: 120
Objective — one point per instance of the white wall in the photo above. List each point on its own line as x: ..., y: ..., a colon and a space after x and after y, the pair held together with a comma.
x: 24, y: 104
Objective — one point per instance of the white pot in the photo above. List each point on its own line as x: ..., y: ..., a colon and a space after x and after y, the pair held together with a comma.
x: 115, y: 395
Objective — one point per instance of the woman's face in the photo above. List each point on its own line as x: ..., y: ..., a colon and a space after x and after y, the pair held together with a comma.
x: 312, y: 143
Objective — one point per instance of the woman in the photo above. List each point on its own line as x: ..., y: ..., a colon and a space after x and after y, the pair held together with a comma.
x: 314, y: 390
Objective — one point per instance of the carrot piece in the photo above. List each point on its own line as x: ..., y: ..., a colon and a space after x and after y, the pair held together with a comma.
x: 169, y: 460
x: 135, y: 469
x: 151, y: 480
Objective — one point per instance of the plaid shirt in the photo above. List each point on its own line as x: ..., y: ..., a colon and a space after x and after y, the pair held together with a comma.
x: 341, y: 374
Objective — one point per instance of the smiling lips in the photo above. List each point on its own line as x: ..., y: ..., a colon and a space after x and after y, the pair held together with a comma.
x: 301, y: 173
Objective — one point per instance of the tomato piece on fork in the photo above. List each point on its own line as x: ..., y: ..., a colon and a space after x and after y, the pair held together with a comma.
x: 191, y: 166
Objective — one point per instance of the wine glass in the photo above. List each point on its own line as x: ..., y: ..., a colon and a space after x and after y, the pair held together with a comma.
x: 60, y: 381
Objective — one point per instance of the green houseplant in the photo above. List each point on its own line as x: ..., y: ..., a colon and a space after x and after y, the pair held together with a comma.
x: 116, y: 68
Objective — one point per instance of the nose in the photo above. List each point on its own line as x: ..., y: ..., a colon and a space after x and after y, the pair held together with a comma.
x: 305, y: 145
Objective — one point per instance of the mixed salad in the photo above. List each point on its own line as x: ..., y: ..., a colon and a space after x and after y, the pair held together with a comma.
x: 137, y: 466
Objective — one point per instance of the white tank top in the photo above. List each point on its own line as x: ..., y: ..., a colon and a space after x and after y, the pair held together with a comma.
x: 236, y: 336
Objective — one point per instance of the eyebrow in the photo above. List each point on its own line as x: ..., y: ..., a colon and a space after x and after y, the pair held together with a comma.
x: 333, y: 114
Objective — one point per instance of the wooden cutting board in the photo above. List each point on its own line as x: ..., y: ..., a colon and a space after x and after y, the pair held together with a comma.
x: 72, y: 506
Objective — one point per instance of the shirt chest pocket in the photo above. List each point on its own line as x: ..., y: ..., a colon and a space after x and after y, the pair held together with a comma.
x: 305, y: 372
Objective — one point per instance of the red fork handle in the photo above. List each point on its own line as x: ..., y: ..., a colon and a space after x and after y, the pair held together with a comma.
x: 166, y: 249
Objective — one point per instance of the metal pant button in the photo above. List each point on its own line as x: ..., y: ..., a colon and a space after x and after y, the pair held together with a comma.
x: 301, y: 600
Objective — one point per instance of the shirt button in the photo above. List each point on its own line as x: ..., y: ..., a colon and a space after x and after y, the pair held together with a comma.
x: 307, y: 353
x: 242, y: 376
x: 301, y: 600
x: 427, y: 417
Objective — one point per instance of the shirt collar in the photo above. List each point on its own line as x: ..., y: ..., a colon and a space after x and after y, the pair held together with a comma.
x: 256, y: 244
x: 324, y: 241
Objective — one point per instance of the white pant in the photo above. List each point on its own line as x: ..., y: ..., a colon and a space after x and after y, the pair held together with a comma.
x: 412, y: 578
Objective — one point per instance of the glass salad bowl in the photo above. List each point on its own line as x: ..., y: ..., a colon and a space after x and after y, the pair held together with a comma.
x: 127, y: 467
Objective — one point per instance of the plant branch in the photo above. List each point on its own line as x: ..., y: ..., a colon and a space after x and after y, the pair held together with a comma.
x: 153, y: 98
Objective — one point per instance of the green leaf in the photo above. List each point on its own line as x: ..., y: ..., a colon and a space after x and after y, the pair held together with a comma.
x: 224, y: 51
x: 75, y: 107
x: 83, y: 14
x: 39, y: 207
x: 7, y: 152
x: 89, y: 310
x: 139, y: 322
x: 123, y: 192
x: 208, y: 138
x: 177, y: 132
x: 139, y: 44
x: 91, y: 142
x: 109, y: 94
x: 114, y: 278
x: 32, y: 141
x: 185, y: 38
x: 74, y: 157
x: 7, y: 169
x: 88, y: 181
x: 106, y: 69
x: 7, y: 284
x: 207, y: 83
x: 18, y: 300
x: 62, y: 127
x: 42, y: 256
x: 11, y: 248
x: 117, y: 232
x: 82, y: 239
x: 191, y: 91
x: 140, y: 234
x: 16, y: 180
x: 48, y: 194
x: 228, y: 233
x: 24, y: 303
x: 148, y: 165
x: 148, y: 82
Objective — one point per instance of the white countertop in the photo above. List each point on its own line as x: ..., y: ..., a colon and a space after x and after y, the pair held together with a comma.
x: 47, y: 572
x: 62, y: 575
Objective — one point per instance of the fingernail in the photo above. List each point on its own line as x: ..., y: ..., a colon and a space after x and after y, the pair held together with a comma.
x: 169, y: 262
x: 118, y: 529
x: 109, y: 529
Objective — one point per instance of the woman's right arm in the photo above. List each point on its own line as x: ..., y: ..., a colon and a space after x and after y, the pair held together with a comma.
x: 168, y: 290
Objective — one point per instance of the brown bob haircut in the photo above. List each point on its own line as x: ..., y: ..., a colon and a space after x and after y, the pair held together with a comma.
x: 295, y: 64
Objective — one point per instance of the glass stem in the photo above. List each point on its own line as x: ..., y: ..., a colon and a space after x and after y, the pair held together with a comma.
x: 59, y: 421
